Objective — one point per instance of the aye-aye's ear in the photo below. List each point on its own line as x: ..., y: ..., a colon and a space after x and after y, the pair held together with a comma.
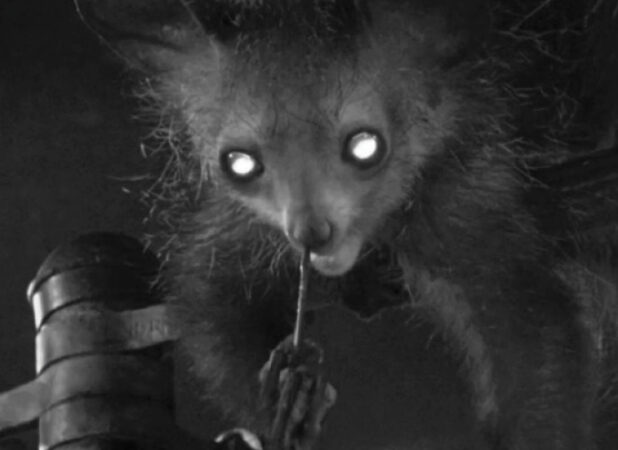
x: 147, y: 33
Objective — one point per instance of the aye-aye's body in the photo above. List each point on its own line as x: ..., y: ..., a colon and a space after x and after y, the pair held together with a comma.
x: 392, y: 140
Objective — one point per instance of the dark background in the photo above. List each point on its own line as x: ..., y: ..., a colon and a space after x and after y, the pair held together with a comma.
x: 67, y: 145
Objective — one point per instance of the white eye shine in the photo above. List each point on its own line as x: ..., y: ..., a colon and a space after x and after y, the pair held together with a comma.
x: 364, y: 146
x: 241, y: 165
x: 364, y: 149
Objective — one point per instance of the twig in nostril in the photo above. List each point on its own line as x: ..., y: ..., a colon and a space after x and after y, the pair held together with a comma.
x: 302, y: 297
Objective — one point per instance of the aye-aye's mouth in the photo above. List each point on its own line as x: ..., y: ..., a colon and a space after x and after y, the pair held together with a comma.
x: 338, y: 261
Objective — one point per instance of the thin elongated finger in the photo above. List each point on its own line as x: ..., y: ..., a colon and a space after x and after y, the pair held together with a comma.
x: 269, y: 378
x: 292, y: 381
x: 298, y: 411
x: 323, y: 398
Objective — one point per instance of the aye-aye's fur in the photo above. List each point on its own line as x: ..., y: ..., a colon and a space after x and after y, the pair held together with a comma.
x: 467, y: 97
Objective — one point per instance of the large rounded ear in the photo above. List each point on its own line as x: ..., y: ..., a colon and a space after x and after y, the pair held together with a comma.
x: 149, y: 33
x: 144, y: 32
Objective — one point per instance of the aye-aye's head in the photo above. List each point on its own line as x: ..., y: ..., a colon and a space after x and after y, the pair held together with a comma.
x: 316, y: 116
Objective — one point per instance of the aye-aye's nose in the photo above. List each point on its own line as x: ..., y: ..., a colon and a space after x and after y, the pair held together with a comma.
x: 309, y: 232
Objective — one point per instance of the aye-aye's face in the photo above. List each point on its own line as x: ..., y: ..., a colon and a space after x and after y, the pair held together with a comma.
x: 325, y: 168
x: 327, y: 154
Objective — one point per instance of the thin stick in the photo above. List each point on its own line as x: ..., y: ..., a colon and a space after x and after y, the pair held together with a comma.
x: 302, y: 297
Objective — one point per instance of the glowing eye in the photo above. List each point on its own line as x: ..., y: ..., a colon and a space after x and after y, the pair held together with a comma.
x: 241, y: 165
x: 364, y: 149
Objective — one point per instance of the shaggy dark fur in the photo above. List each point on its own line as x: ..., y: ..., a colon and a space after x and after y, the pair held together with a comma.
x: 531, y: 82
